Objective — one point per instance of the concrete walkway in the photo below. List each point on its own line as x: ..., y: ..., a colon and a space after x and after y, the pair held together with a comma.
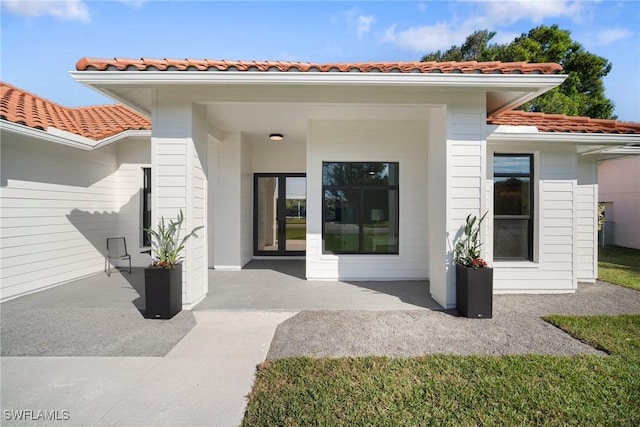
x: 85, y: 348
x: 202, y: 381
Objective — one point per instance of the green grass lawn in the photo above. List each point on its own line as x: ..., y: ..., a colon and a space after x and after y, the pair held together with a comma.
x: 460, y: 390
x: 620, y: 266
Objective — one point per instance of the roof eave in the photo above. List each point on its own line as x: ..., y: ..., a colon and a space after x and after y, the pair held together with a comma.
x: 70, y: 140
x: 614, y: 139
x: 476, y: 80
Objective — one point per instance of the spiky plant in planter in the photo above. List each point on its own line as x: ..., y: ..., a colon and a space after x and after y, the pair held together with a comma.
x: 474, y: 279
x: 163, y: 278
x: 468, y: 247
x: 166, y: 245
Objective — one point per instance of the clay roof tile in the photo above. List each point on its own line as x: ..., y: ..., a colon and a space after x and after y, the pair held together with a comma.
x: 97, y: 122
x: 563, y: 123
x: 151, y: 64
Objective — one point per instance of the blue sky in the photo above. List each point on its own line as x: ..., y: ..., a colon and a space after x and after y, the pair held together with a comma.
x: 42, y: 40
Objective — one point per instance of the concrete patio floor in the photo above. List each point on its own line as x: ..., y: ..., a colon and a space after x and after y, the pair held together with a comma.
x: 85, y: 347
x: 281, y: 285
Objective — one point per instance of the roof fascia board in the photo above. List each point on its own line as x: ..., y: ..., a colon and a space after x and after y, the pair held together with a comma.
x: 70, y: 140
x: 42, y: 135
x: 534, y: 82
x: 568, y: 138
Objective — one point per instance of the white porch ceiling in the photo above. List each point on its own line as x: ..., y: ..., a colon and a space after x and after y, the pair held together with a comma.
x: 257, y: 120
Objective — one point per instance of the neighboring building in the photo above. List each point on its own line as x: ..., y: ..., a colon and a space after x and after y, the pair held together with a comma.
x: 619, y: 190
x: 392, y: 158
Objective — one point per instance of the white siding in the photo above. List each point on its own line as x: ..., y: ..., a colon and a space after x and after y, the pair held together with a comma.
x: 132, y: 157
x: 466, y: 151
x: 58, y: 207
x: 179, y: 157
x: 553, y: 265
x: 385, y: 141
x: 586, y: 219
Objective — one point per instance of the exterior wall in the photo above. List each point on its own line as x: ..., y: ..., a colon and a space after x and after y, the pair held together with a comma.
x: 58, y: 207
x: 394, y: 141
x: 286, y: 156
x: 133, y: 155
x: 555, y: 222
x: 227, y: 205
x: 178, y: 175
x: 466, y: 165
x: 587, y: 220
x: 246, y: 204
x: 619, y: 183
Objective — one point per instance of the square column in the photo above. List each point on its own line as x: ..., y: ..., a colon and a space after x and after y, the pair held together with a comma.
x: 179, y: 182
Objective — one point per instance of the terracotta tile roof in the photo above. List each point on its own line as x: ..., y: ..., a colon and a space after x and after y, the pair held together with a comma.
x: 98, y: 122
x: 562, y: 123
x: 150, y: 64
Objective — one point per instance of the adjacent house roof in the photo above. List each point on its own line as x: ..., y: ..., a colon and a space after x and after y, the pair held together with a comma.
x: 97, y: 122
x: 469, y: 67
x: 562, y: 123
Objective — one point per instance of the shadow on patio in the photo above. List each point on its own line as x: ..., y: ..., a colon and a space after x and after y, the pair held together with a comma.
x: 281, y: 285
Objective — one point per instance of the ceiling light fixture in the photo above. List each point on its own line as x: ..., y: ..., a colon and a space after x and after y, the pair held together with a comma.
x: 276, y: 137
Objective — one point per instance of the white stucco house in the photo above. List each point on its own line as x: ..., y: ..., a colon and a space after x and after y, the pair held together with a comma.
x: 367, y: 170
x: 619, y: 189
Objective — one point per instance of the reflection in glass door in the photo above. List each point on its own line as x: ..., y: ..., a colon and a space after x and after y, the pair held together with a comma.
x: 280, y: 223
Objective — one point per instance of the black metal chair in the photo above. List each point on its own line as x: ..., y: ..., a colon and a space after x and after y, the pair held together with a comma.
x: 116, y: 250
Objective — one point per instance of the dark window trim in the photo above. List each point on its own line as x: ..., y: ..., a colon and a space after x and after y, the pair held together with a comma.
x: 279, y: 207
x: 146, y: 220
x: 530, y: 217
x: 361, y: 188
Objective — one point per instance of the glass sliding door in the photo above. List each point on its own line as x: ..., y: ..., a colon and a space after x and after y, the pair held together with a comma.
x: 280, y: 214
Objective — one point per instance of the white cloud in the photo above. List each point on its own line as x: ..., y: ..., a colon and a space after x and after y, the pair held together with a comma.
x: 486, y: 14
x: 358, y: 22
x: 426, y: 38
x: 364, y: 24
x: 422, y: 7
x: 66, y: 10
x: 612, y: 35
x: 534, y: 11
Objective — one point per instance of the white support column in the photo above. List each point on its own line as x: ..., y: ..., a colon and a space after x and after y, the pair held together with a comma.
x: 439, y: 262
x: 179, y: 181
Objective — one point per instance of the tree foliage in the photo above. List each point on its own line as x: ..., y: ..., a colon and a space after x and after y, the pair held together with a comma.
x: 581, y: 94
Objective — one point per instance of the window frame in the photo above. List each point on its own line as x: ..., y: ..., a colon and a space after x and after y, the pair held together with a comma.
x: 530, y: 218
x: 146, y: 200
x: 361, y: 188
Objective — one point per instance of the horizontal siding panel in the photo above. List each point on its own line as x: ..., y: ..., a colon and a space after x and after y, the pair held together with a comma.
x: 557, y: 249
x: 175, y: 170
x: 171, y: 159
x: 557, y: 231
x: 557, y: 195
x: 559, y: 185
x: 557, y: 213
x: 464, y: 182
x: 517, y: 274
x: 172, y: 181
x: 557, y: 258
x: 465, y: 171
x: 466, y: 160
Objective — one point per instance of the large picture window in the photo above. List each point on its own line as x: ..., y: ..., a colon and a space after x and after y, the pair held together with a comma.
x: 513, y: 207
x: 360, y: 207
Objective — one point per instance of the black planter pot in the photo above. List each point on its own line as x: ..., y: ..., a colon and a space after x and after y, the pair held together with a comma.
x: 474, y: 292
x: 163, y: 292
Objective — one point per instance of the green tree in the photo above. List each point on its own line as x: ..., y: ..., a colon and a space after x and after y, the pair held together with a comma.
x: 582, y: 93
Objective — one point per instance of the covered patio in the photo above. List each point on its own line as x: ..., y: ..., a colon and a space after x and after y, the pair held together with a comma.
x: 281, y: 285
